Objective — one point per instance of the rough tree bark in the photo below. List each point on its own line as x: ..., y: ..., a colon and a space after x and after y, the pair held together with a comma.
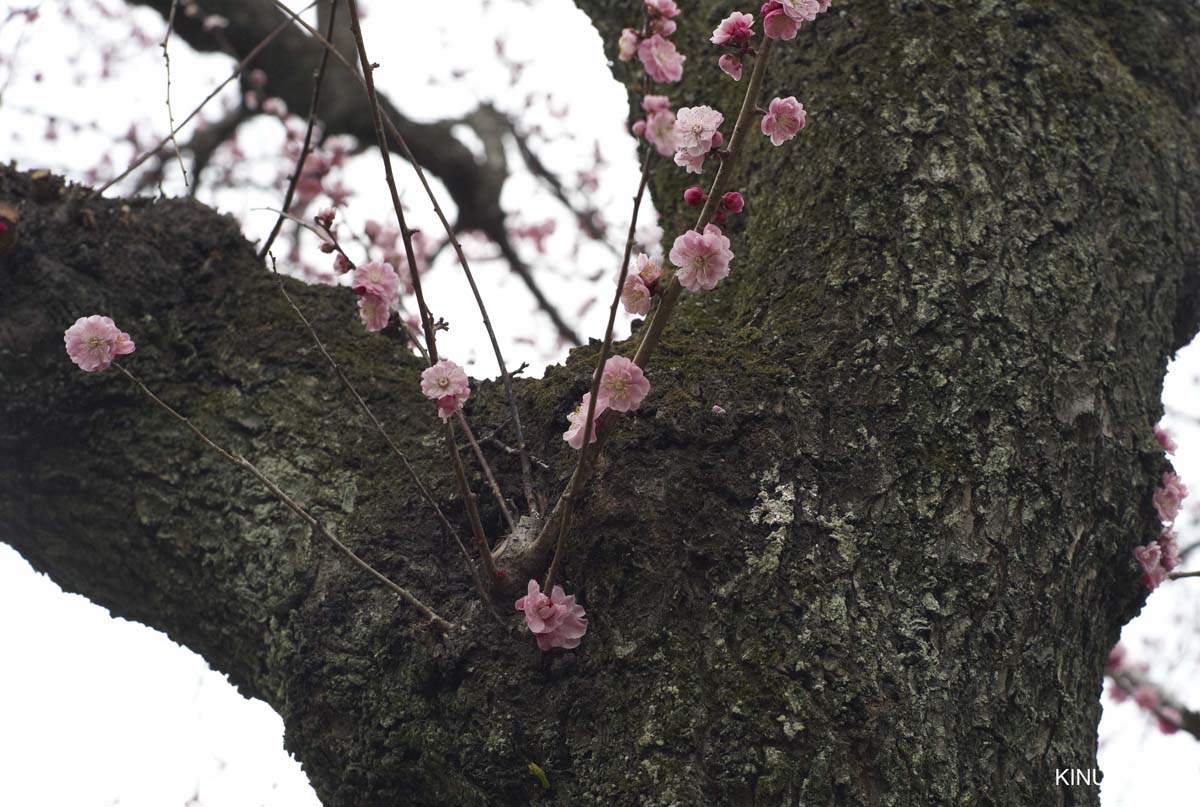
x: 889, y: 575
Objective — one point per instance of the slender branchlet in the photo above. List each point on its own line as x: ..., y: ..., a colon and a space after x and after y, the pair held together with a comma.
x: 292, y: 16
x: 316, y: 525
x: 314, y: 103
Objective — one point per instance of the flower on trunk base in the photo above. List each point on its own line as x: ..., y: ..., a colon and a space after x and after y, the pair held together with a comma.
x: 555, y: 621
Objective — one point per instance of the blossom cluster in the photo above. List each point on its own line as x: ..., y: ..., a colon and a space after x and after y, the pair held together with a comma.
x: 623, y: 387
x: 1145, y: 696
x: 446, y: 383
x: 555, y: 621
x: 94, y: 342
x: 658, y: 55
x: 1160, y: 557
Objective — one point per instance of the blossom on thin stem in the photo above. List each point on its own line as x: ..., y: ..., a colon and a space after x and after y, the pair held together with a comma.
x: 1164, y: 439
x: 776, y: 22
x: 696, y: 129
x: 635, y: 296
x: 623, y: 385
x: 93, y: 342
x: 555, y: 621
x: 730, y: 65
x: 374, y: 310
x: 736, y: 29
x: 376, y: 278
x: 662, y: 61
x: 446, y: 383
x: 703, y: 258
x: 647, y: 268
x: 1169, y: 497
x: 785, y: 117
x: 627, y: 45
x: 574, y: 434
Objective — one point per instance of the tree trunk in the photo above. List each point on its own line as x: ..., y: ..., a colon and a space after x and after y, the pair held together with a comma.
x: 890, y: 574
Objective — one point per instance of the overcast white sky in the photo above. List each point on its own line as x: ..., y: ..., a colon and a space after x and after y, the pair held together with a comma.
x: 100, y: 711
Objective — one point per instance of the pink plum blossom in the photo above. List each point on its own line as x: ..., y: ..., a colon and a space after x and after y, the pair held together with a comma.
x: 785, y: 117
x: 802, y: 10
x: 736, y: 28
x: 1168, y: 542
x: 696, y: 128
x: 777, y: 24
x: 555, y: 621
x: 656, y: 103
x: 662, y: 62
x: 627, y: 45
x: 574, y: 434
x: 93, y: 342
x: 1149, y: 557
x: 376, y: 278
x: 662, y: 8
x: 635, y: 297
x: 1116, y: 659
x: 647, y: 268
x: 731, y: 66
x: 1164, y: 439
x: 718, y: 409
x: 693, y: 164
x: 703, y: 258
x: 375, y: 310
x: 446, y: 383
x: 733, y: 202
x: 1146, y: 697
x: 663, y: 26
x: 623, y: 386
x: 660, y: 131
x: 1169, y: 497
x: 1170, y: 721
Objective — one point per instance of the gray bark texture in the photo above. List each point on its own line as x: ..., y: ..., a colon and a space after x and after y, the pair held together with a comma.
x: 890, y: 574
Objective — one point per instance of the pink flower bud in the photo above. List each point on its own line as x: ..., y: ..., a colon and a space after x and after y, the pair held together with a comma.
x: 718, y: 140
x: 733, y: 202
x: 639, y: 128
x: 694, y: 196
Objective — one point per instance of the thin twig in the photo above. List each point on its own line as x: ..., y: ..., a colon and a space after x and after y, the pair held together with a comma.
x: 241, y: 462
x: 555, y: 525
x: 577, y: 478
x: 293, y: 16
x: 460, y: 476
x: 371, y: 415
x: 487, y: 471
x: 318, y: 80
x: 1181, y: 575
x: 386, y: 121
x: 170, y: 112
